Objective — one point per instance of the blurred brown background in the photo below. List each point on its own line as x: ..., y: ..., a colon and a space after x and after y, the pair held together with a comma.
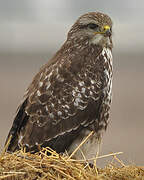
x: 32, y: 31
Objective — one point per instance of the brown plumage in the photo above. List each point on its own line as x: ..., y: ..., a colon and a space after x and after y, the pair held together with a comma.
x: 71, y: 95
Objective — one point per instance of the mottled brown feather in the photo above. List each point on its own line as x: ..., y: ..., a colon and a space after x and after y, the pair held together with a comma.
x: 70, y: 93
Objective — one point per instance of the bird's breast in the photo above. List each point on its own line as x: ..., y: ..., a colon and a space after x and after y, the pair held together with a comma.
x: 108, y: 73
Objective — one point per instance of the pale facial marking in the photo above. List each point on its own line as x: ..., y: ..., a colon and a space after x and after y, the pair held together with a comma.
x: 99, y: 39
x: 96, y: 39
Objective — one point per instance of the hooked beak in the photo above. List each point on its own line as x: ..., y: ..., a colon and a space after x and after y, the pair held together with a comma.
x: 106, y: 31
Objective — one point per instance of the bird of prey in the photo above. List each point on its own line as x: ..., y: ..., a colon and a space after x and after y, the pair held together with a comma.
x: 71, y: 95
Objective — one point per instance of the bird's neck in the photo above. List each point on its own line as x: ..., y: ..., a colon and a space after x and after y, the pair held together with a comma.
x: 79, y: 47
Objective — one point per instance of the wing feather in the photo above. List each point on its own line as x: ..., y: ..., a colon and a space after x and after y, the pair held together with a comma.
x: 19, y: 121
x: 61, y: 100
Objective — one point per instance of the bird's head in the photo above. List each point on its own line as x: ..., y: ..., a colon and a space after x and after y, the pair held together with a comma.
x: 96, y: 27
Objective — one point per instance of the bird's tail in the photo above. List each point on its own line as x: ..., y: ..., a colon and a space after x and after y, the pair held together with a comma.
x: 20, y: 120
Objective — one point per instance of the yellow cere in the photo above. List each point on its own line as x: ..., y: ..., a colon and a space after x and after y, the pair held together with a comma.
x: 106, y: 27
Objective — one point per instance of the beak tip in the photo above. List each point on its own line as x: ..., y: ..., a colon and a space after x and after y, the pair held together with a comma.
x: 108, y: 32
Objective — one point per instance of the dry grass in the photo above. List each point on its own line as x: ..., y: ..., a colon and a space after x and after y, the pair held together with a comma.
x: 22, y: 165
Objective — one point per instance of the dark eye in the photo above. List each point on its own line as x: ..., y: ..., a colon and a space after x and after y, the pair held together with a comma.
x: 92, y: 26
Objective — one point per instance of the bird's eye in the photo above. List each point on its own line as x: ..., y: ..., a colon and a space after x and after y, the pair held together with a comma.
x: 92, y: 26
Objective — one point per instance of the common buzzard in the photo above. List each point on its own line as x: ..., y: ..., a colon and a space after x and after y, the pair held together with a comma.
x: 71, y: 94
